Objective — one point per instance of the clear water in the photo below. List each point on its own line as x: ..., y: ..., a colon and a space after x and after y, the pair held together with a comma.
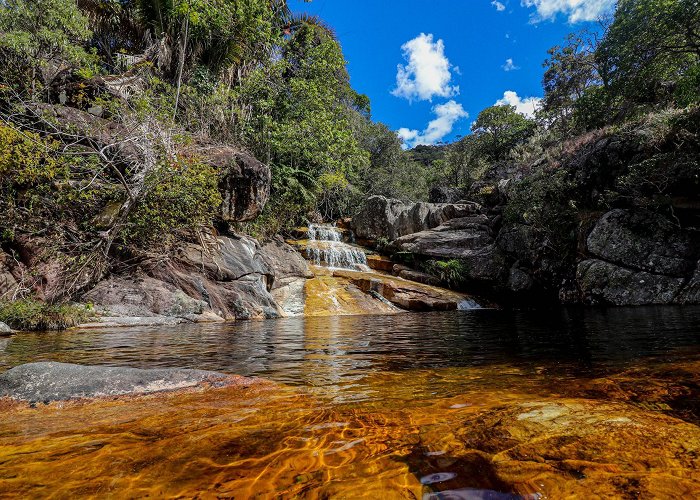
x: 468, y: 405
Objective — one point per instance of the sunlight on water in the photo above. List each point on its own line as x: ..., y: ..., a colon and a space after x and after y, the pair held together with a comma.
x: 410, y: 406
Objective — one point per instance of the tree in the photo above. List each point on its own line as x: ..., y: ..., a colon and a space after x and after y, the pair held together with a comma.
x: 40, y: 39
x: 571, y: 70
x: 499, y: 129
x: 650, y: 47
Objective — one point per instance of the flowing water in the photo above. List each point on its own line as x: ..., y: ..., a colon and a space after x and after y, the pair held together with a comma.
x: 326, y: 247
x: 474, y: 404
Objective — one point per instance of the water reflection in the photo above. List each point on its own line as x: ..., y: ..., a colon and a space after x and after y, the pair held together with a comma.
x: 338, y: 353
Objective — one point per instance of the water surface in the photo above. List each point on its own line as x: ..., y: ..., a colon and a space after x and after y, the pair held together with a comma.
x: 476, y: 404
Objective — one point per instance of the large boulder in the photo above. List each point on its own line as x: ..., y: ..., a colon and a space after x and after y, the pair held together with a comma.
x: 286, y: 262
x: 466, y: 239
x: 643, y: 240
x: 49, y: 381
x: 223, y: 278
x: 389, y: 218
x: 4, y: 328
x: 606, y: 283
x: 639, y: 257
x: 245, y: 182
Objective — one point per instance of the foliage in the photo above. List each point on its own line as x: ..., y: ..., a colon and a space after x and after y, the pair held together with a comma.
x: 181, y: 195
x: 499, y: 129
x: 31, y: 314
x: 41, y: 38
x: 451, y: 272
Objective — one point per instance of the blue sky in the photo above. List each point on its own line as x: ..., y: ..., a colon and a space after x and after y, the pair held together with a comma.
x: 430, y: 66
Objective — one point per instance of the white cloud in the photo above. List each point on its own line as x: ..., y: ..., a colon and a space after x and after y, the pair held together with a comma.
x: 510, y: 65
x: 446, y: 115
x: 576, y: 10
x: 427, y: 72
x: 526, y: 106
x: 499, y: 6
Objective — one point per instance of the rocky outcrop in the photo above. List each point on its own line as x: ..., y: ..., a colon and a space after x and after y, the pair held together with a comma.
x: 639, y: 257
x: 48, y: 381
x: 381, y: 217
x: 630, y: 256
x: 244, y: 185
x: 224, y: 278
x: 443, y: 194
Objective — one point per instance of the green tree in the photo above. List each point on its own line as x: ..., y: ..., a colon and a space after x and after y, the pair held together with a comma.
x: 41, y: 39
x: 499, y: 129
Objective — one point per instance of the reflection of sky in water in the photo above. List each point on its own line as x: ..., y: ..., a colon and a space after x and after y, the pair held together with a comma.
x: 338, y: 353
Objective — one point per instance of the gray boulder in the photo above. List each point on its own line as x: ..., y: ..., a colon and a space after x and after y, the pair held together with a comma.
x: 643, y: 240
x: 606, y: 283
x: 286, y: 262
x: 49, y: 381
x: 389, y: 218
x: 4, y: 328
x: 8, y: 284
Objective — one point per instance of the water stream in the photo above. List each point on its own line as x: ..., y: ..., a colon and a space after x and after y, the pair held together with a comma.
x: 474, y: 404
x: 326, y: 247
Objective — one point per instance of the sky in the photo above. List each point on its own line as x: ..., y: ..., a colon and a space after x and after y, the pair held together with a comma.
x: 430, y: 66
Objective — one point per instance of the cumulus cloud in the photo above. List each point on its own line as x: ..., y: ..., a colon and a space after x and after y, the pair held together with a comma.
x: 525, y: 106
x: 446, y: 115
x: 427, y: 72
x: 575, y: 10
x: 510, y: 65
x: 499, y: 6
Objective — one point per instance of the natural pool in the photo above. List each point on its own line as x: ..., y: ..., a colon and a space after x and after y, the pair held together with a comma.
x: 476, y: 404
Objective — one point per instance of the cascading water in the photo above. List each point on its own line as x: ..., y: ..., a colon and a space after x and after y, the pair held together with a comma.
x: 325, y: 247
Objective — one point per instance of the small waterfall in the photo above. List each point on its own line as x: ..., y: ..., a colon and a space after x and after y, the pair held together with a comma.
x: 325, y: 247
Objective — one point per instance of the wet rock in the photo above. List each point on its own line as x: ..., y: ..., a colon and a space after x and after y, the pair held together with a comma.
x: 49, y: 381
x: 405, y: 294
x: 285, y: 261
x: 388, y: 218
x: 417, y: 276
x: 379, y: 263
x: 691, y: 292
x: 605, y: 283
x: 643, y: 240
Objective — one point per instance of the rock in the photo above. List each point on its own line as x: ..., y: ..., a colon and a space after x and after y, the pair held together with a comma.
x: 227, y: 278
x: 4, y: 328
x: 245, y: 184
x: 49, y: 381
x: 606, y: 283
x: 285, y: 261
x: 336, y: 295
x: 645, y: 241
x: 691, y: 292
x: 388, y: 218
x: 405, y: 294
x: 442, y: 194
x: 380, y: 263
x: 8, y: 284
x: 139, y: 297
x: 418, y: 277
x: 518, y: 241
x: 519, y: 281
x: 475, y: 247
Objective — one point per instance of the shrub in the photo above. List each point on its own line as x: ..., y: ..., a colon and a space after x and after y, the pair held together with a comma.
x: 31, y: 314
x: 452, y: 272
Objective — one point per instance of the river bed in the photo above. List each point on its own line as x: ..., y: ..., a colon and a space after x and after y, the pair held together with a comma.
x: 473, y: 404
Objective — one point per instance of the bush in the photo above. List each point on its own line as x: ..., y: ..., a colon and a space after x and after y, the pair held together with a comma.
x: 452, y: 272
x: 31, y: 314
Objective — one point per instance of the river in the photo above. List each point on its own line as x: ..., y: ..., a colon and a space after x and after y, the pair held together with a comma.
x: 473, y: 404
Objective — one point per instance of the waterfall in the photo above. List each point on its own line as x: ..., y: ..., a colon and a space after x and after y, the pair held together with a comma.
x: 325, y: 247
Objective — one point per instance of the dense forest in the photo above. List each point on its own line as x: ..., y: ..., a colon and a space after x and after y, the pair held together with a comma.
x: 109, y: 111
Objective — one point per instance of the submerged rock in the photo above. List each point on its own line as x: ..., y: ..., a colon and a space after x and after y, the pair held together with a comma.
x: 49, y: 381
